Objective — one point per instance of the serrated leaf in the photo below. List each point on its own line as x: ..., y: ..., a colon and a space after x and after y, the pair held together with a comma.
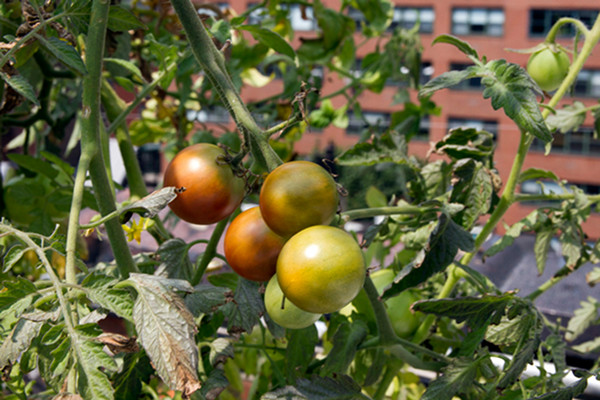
x: 389, y: 147
x: 166, y: 330
x: 346, y: 340
x: 458, y: 43
x: 64, y: 52
x: 16, y: 296
x: 582, y: 318
x: 270, y: 39
x: 476, y: 311
x: 511, y: 330
x: 150, y: 205
x: 446, y: 80
x: 568, y: 119
x: 473, y: 189
x: 456, y: 378
x: 512, y: 233
x: 591, y: 346
x: 92, y: 361
x: 566, y: 393
x: 100, y: 290
x: 12, y: 256
x: 174, y: 260
x: 541, y: 247
x: 220, y: 350
x: 246, y: 308
x: 22, y: 86
x: 121, y: 19
x: 463, y: 142
x: 340, y: 387
x: 443, y: 245
x: 206, y: 299
x: 522, y: 357
x: 593, y: 277
x: 18, y: 340
x: 510, y: 88
x: 128, y: 65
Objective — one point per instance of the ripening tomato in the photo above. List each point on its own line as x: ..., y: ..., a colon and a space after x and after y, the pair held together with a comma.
x: 297, y: 195
x: 548, y: 68
x: 251, y: 248
x: 284, y: 312
x: 212, y: 190
x: 321, y: 269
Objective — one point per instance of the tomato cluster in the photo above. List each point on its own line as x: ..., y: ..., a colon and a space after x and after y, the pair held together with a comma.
x: 312, y: 268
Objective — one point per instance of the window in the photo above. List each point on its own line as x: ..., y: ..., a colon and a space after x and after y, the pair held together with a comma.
x: 214, y: 114
x: 370, y: 119
x: 408, y: 17
x: 541, y: 20
x: 581, y: 142
x: 490, y: 126
x: 468, y: 84
x: 425, y: 75
x: 587, y: 83
x: 478, y: 21
x: 301, y: 18
x: 257, y: 14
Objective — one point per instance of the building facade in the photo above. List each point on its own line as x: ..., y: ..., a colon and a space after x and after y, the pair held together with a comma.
x: 491, y: 27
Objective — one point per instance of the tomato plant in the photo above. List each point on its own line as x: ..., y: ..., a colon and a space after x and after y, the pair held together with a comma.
x: 251, y: 247
x: 321, y: 269
x: 548, y: 67
x: 212, y: 191
x: 283, y: 311
x: 297, y: 195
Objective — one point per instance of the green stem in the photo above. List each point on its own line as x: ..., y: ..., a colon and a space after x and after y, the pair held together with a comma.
x: 374, y: 212
x: 384, y: 326
x: 213, y: 63
x: 276, y: 128
x: 388, y: 376
x: 508, y: 194
x: 210, y: 251
x: 551, y: 37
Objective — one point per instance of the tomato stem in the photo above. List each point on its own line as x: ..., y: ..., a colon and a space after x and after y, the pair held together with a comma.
x: 210, y: 251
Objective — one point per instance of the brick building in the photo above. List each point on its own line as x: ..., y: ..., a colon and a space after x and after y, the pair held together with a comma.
x: 491, y: 27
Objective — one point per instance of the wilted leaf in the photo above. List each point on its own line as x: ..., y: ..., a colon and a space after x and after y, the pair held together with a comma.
x: 541, y: 247
x: 18, y: 340
x: 568, y: 119
x: 522, y: 357
x: 244, y: 312
x: 583, y: 318
x: 206, y: 299
x: 512, y: 233
x: 166, y: 330
x: 174, y: 260
x: 473, y: 188
x: 149, y: 205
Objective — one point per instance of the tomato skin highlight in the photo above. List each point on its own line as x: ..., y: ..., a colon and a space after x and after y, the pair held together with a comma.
x: 251, y: 248
x: 321, y: 269
x: 289, y: 316
x: 212, y: 191
x: 548, y: 68
x: 297, y: 195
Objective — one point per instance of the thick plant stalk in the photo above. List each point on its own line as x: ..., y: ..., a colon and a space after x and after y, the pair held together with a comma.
x: 508, y: 195
x: 212, y: 62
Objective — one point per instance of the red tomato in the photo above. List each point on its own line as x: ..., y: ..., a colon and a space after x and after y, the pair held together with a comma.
x: 212, y: 190
x: 251, y: 248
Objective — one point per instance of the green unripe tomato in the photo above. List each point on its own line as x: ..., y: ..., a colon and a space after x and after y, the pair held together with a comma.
x: 548, y: 68
x: 289, y: 316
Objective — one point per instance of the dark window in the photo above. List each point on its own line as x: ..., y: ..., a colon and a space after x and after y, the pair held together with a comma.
x: 214, y: 114
x: 468, y: 84
x: 587, y: 83
x: 581, y: 142
x: 408, y: 17
x: 541, y: 20
x: 478, y: 21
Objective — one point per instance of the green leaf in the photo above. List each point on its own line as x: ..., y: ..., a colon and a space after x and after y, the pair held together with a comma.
x: 444, y: 242
x: 593, y: 277
x: 476, y: 311
x: 591, y: 346
x: 541, y: 247
x: 446, y: 80
x: 513, y: 232
x: 462, y: 143
x: 568, y: 119
x: 566, y: 393
x: 522, y: 357
x: 270, y: 39
x: 510, y: 88
x: 340, y: 387
x: 206, y: 299
x: 247, y: 307
x: 128, y: 65
x: 34, y: 164
x: 378, y: 13
x: 101, y: 291
x: 510, y: 331
x: 121, y: 19
x: 12, y: 256
x: 458, y: 43
x: 166, y: 330
x: 92, y: 382
x: 473, y: 188
x: 584, y: 317
x: 64, y: 52
x: 174, y: 260
x: 21, y: 86
x: 300, y: 351
x: 456, y: 378
x: 535, y: 174
x: 389, y: 147
x: 16, y: 296
x: 346, y: 340
x: 18, y: 340
x: 136, y: 369
x: 375, y: 197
